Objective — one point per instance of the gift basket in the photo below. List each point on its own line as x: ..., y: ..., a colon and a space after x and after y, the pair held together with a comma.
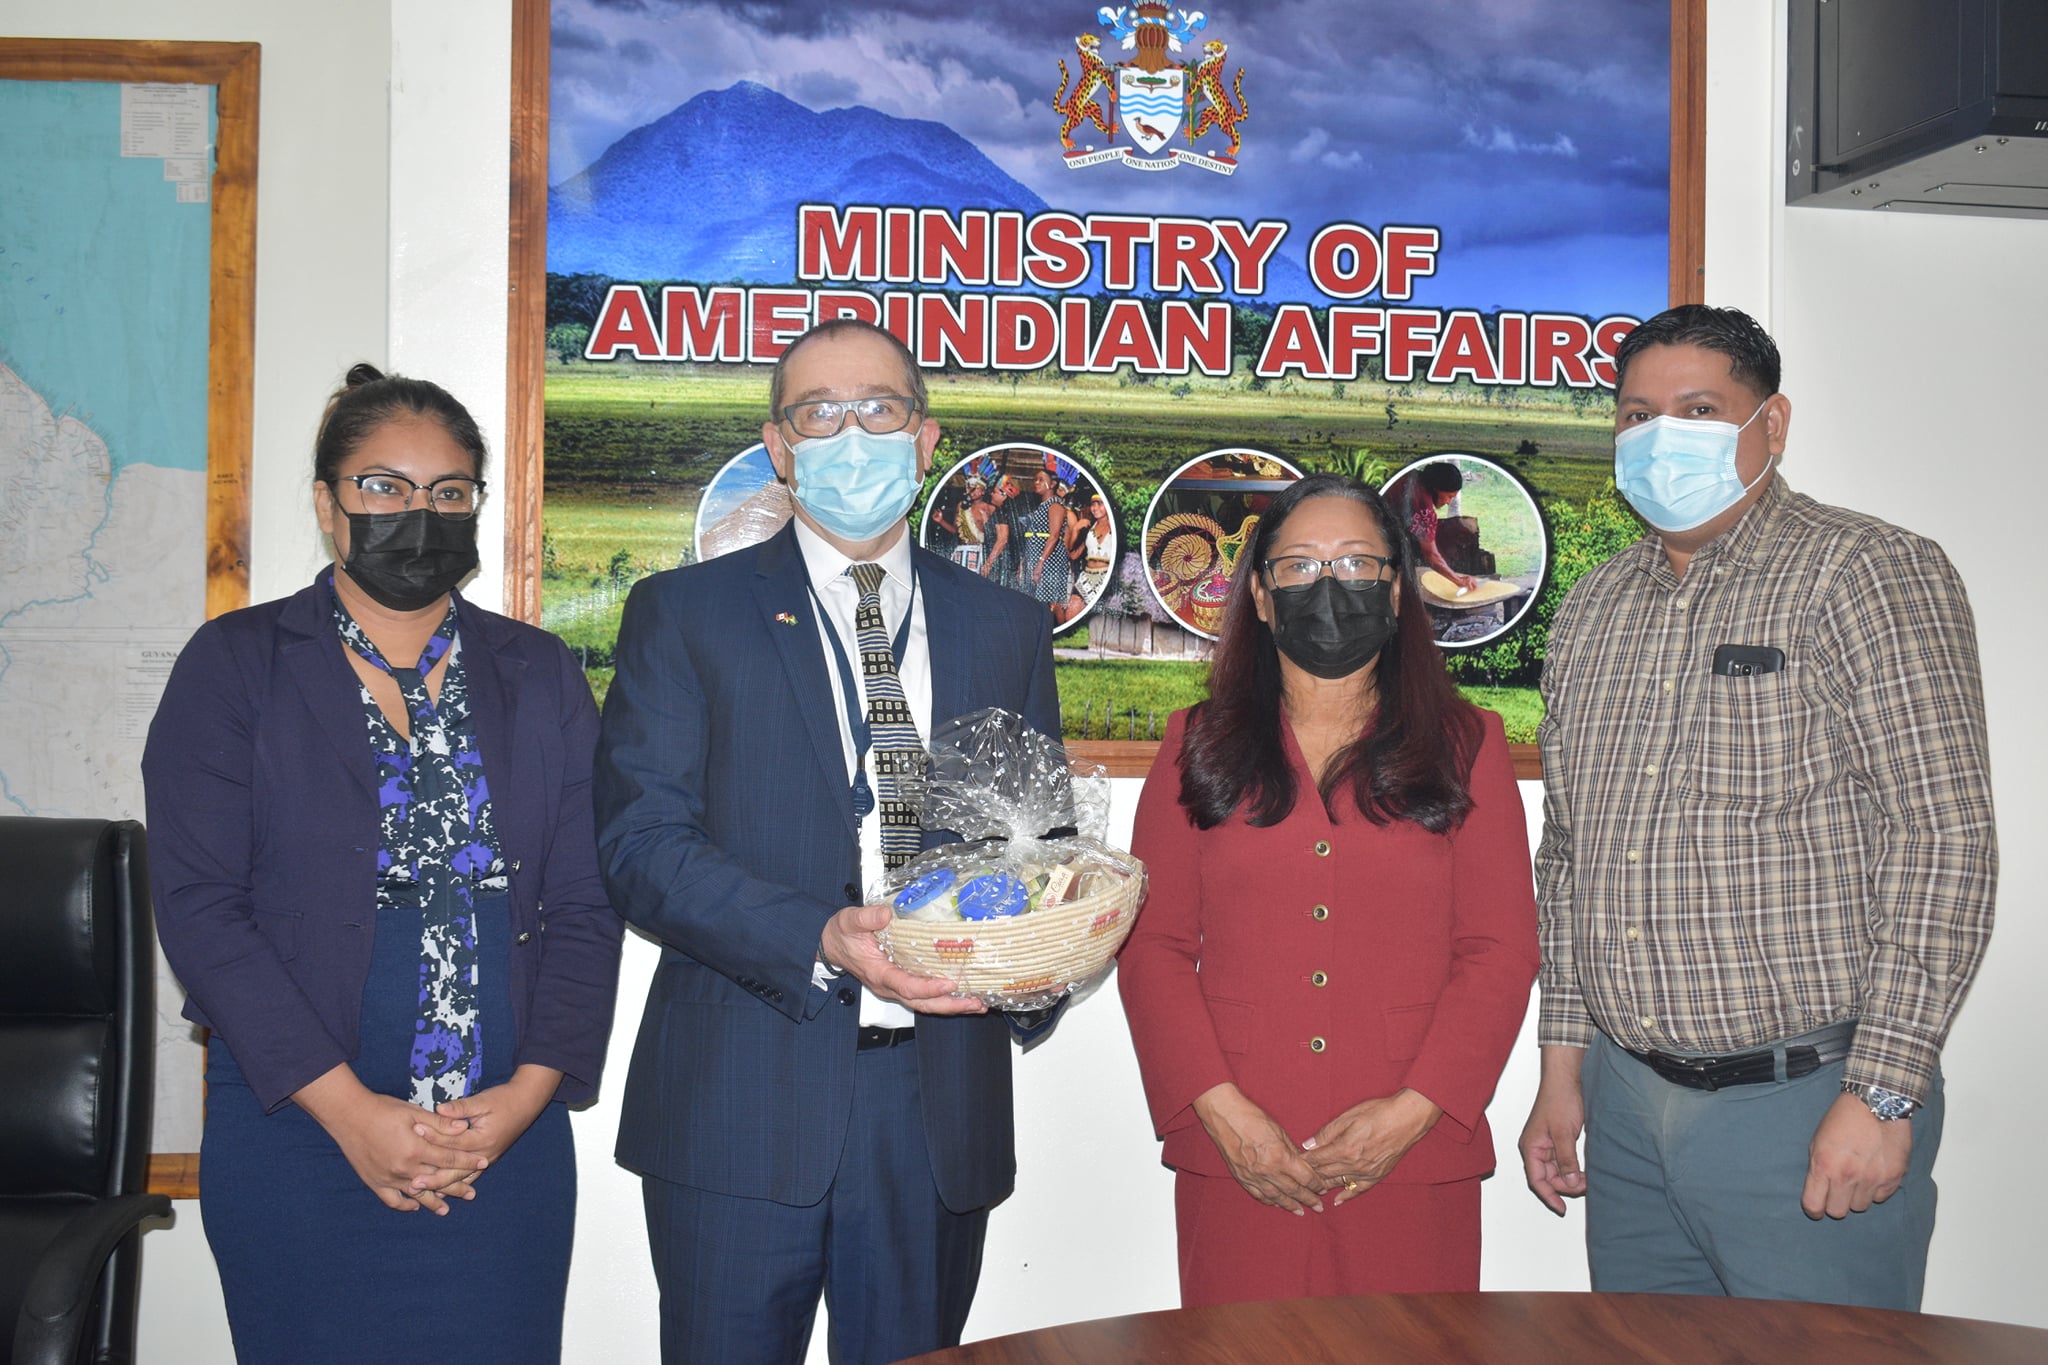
x: 1033, y: 903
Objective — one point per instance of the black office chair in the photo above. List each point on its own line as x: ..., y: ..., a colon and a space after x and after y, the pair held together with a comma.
x: 77, y: 1061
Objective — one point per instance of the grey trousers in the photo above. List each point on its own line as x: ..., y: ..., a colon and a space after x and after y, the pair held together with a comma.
x: 1697, y: 1192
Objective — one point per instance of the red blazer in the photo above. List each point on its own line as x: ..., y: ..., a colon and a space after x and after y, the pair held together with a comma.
x: 1339, y: 961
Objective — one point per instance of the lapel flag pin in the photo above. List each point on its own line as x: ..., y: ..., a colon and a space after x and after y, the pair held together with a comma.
x: 785, y: 618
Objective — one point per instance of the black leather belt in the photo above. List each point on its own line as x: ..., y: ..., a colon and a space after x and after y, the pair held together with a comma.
x: 874, y: 1039
x: 1803, y: 1057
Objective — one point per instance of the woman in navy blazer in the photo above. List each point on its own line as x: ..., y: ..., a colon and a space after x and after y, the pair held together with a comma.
x: 375, y: 873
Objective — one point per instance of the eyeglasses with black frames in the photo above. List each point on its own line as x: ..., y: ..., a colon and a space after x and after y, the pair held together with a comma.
x: 1290, y: 573
x: 878, y: 416
x: 454, y: 497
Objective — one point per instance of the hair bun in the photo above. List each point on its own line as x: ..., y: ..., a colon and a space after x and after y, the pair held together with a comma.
x: 361, y: 374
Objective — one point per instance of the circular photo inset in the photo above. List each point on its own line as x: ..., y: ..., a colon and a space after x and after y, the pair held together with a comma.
x: 1031, y: 518
x: 1200, y: 520
x: 1482, y: 544
x: 744, y: 504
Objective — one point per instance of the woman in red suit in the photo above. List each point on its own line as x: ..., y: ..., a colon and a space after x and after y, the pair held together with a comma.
x: 1335, y: 954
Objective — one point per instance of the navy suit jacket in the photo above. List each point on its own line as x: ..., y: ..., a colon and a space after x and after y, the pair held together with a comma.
x: 263, y: 838
x: 727, y: 833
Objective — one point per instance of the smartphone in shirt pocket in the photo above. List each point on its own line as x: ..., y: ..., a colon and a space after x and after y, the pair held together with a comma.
x: 1758, y: 736
x: 1746, y: 661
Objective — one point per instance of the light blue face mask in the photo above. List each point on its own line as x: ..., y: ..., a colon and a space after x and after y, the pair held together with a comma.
x: 856, y: 484
x: 1678, y: 472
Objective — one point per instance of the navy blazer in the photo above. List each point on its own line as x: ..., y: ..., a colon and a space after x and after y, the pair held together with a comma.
x: 727, y: 832
x: 263, y: 838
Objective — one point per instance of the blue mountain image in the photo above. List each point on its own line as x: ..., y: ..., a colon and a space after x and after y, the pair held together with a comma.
x: 709, y: 192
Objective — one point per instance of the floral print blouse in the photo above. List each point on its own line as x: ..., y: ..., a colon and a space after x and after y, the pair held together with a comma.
x: 438, y: 852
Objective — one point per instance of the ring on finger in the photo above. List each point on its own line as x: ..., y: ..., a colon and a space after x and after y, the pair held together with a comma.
x: 1350, y: 1185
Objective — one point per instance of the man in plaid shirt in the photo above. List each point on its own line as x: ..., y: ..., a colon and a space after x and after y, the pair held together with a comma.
x: 1768, y: 858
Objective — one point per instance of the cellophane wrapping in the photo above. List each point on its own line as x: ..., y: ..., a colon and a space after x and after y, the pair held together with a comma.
x: 1032, y: 904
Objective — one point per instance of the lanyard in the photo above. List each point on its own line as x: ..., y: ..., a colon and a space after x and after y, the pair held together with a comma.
x: 849, y: 692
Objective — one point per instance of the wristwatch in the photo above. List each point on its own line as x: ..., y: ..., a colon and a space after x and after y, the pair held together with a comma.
x: 1886, y: 1106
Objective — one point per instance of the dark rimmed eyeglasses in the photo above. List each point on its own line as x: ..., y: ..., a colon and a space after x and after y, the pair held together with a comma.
x: 878, y: 415
x: 455, y: 496
x: 1288, y: 573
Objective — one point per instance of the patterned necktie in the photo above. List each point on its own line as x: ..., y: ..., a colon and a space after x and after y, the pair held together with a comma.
x: 896, y: 748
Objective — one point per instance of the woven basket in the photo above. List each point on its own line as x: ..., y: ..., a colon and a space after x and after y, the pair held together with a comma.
x: 1183, y: 546
x: 1206, y: 603
x: 1232, y: 545
x: 1028, y: 960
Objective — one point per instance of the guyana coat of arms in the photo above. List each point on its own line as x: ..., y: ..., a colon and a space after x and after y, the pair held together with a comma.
x: 1168, y: 85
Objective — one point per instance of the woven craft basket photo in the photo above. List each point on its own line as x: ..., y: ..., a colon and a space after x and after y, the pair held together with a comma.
x: 1025, y: 961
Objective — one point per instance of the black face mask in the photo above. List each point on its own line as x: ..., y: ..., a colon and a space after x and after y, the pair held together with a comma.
x: 407, y: 560
x: 1333, y: 629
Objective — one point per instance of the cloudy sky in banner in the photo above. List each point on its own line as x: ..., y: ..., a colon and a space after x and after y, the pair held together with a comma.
x: 1534, y: 132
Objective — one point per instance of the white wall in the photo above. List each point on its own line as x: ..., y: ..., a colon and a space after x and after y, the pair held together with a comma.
x: 1904, y: 339
x: 451, y: 90
x: 1916, y: 346
x: 1912, y: 346
x: 322, y: 281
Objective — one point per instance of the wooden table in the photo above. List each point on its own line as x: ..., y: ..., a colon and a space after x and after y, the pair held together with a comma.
x: 1511, y: 1329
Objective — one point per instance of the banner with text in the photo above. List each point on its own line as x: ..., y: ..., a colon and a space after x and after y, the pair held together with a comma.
x: 1154, y: 262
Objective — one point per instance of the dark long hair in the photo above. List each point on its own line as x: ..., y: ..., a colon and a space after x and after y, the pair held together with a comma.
x: 1412, y: 760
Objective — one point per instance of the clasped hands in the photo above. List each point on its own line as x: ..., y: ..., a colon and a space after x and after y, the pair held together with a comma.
x: 411, y: 1158
x: 1347, y: 1156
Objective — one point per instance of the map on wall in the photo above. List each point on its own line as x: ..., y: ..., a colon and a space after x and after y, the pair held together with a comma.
x: 103, y: 444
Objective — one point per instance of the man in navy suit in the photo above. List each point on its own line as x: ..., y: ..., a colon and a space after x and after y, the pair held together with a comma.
x: 806, y: 1116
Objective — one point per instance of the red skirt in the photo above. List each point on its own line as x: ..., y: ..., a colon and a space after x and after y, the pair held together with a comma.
x: 1393, y: 1239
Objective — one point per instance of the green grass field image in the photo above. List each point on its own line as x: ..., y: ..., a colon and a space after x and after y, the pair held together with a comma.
x: 630, y: 447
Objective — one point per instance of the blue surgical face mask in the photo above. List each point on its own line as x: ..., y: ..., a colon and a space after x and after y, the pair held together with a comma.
x: 1678, y: 472
x: 856, y: 484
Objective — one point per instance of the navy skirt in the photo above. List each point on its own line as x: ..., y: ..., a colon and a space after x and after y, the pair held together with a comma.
x: 315, y: 1268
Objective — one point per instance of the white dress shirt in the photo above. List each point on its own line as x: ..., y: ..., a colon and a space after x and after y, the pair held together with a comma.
x: 840, y: 596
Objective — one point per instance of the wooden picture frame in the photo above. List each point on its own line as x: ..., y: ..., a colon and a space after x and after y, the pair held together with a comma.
x: 234, y: 70
x: 527, y: 302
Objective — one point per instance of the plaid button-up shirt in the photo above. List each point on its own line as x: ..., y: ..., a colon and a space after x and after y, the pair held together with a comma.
x: 1727, y: 861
